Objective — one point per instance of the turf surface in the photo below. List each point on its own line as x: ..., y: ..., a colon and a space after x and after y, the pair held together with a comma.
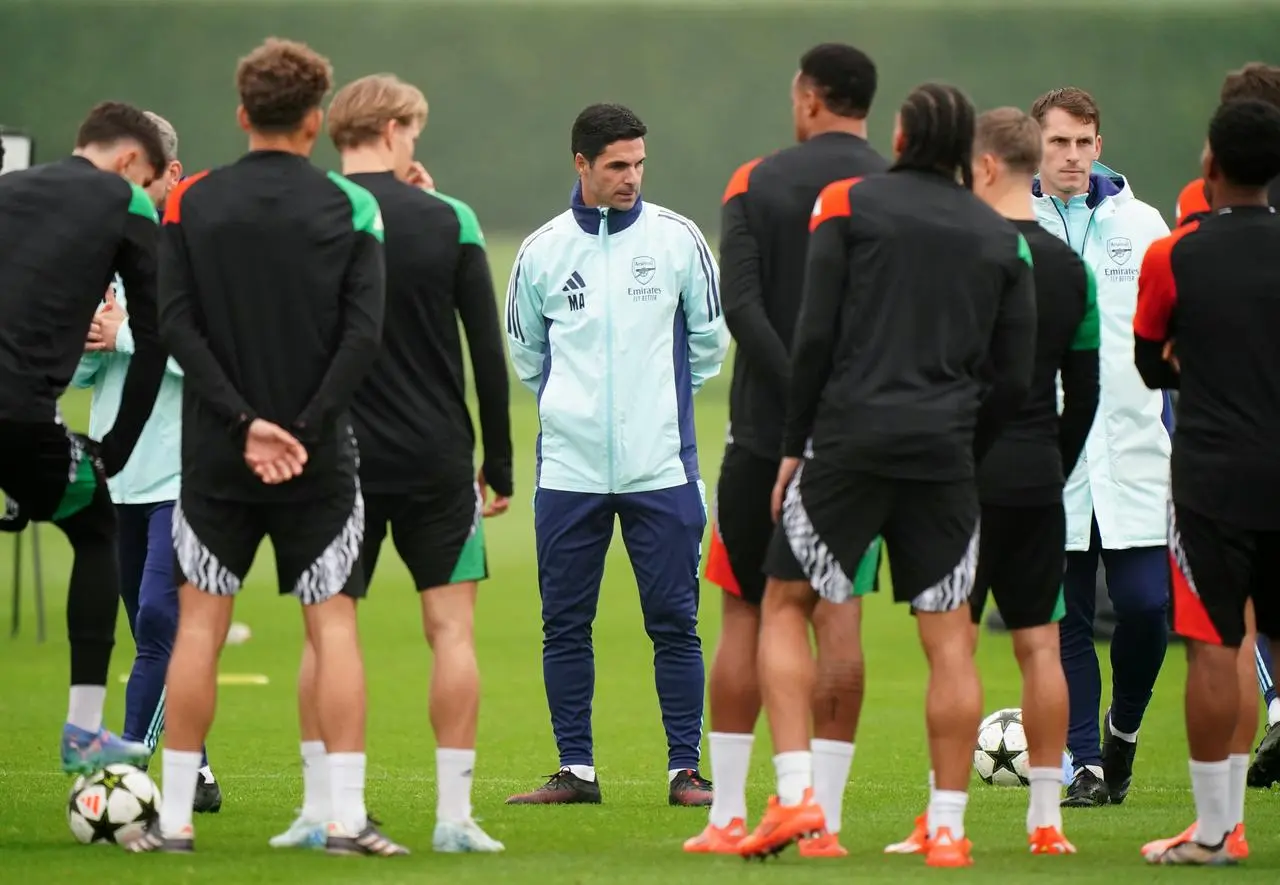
x: 634, y: 836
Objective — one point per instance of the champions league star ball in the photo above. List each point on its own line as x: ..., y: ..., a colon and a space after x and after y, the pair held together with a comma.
x: 1000, y: 755
x: 113, y: 805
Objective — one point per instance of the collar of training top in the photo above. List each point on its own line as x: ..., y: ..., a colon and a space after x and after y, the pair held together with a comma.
x: 588, y: 217
x: 1103, y: 182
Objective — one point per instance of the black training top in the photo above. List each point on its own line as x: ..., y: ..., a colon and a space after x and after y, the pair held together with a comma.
x: 1212, y: 288
x: 66, y: 228
x: 411, y: 415
x: 763, y: 244
x: 271, y: 300
x: 1029, y: 463
x: 918, y: 301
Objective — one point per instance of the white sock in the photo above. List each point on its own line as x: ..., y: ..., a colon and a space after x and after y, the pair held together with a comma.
x: 831, y: 763
x: 346, y: 789
x: 946, y: 809
x: 1131, y: 737
x: 206, y: 774
x: 1095, y: 770
x: 315, y: 782
x: 180, y: 771
x: 454, y: 769
x: 586, y: 772
x: 1211, y: 786
x: 933, y: 784
x: 1239, y: 763
x: 1273, y: 712
x: 795, y: 775
x: 1043, y: 809
x: 84, y: 710
x: 730, y: 762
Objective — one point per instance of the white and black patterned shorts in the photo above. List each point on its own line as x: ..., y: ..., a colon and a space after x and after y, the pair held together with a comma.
x: 831, y: 516
x: 317, y: 543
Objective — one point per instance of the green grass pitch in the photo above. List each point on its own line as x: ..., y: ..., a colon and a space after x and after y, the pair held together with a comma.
x: 634, y: 837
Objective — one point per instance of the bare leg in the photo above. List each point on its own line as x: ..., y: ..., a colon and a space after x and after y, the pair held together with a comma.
x: 1045, y: 711
x: 952, y: 711
x: 1212, y: 714
x: 1044, y: 694
x: 315, y: 763
x: 787, y: 677
x: 1246, y: 718
x: 735, y: 683
x: 191, y: 689
x: 340, y: 703
x: 837, y: 702
x: 448, y: 620
x: 308, y: 704
x: 735, y: 703
x: 838, y: 691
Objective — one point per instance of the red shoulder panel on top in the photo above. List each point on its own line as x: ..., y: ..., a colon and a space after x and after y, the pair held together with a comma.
x: 833, y: 202
x: 740, y: 180
x: 173, y: 203
x: 1157, y: 288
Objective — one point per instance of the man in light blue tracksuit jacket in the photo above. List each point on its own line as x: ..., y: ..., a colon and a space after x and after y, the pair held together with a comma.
x: 1116, y: 499
x: 614, y: 320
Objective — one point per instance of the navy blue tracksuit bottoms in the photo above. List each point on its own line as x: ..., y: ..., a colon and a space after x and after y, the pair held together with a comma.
x: 662, y: 531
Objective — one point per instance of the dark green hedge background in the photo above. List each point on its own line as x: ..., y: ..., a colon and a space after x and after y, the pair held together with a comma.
x: 506, y: 82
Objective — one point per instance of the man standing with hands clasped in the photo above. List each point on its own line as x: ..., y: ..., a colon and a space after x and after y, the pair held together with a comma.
x: 614, y: 319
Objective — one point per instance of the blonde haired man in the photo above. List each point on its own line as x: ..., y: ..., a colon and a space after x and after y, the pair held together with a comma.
x: 416, y: 439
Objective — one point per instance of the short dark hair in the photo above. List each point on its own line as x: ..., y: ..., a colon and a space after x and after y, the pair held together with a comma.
x: 1244, y: 137
x: 1073, y: 100
x: 280, y: 82
x: 1012, y: 136
x: 600, y: 125
x: 938, y: 127
x: 1255, y: 80
x: 111, y: 121
x: 844, y: 76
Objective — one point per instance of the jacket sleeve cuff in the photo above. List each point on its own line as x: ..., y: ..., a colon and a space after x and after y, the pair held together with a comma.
x: 793, y: 447
x: 124, y: 338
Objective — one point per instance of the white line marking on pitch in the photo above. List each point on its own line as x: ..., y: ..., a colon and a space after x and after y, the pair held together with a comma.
x: 223, y: 679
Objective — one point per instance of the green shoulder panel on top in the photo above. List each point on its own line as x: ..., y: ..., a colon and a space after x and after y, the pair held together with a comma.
x: 140, y: 204
x: 1024, y: 251
x: 365, y: 214
x: 469, y: 233
x: 1088, y: 333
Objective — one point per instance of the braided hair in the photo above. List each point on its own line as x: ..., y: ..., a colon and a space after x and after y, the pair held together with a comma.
x: 937, y: 124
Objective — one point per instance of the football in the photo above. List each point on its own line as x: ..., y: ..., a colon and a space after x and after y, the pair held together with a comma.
x: 1000, y: 755
x: 113, y: 805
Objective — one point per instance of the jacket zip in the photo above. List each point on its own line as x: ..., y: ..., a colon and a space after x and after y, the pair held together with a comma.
x: 1066, y: 228
x: 608, y: 350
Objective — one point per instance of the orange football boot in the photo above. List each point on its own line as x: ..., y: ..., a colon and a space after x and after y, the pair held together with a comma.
x: 782, y: 825
x: 916, y: 843
x: 1237, y: 845
x: 944, y: 850
x: 718, y: 840
x: 824, y: 844
x: 1049, y: 840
